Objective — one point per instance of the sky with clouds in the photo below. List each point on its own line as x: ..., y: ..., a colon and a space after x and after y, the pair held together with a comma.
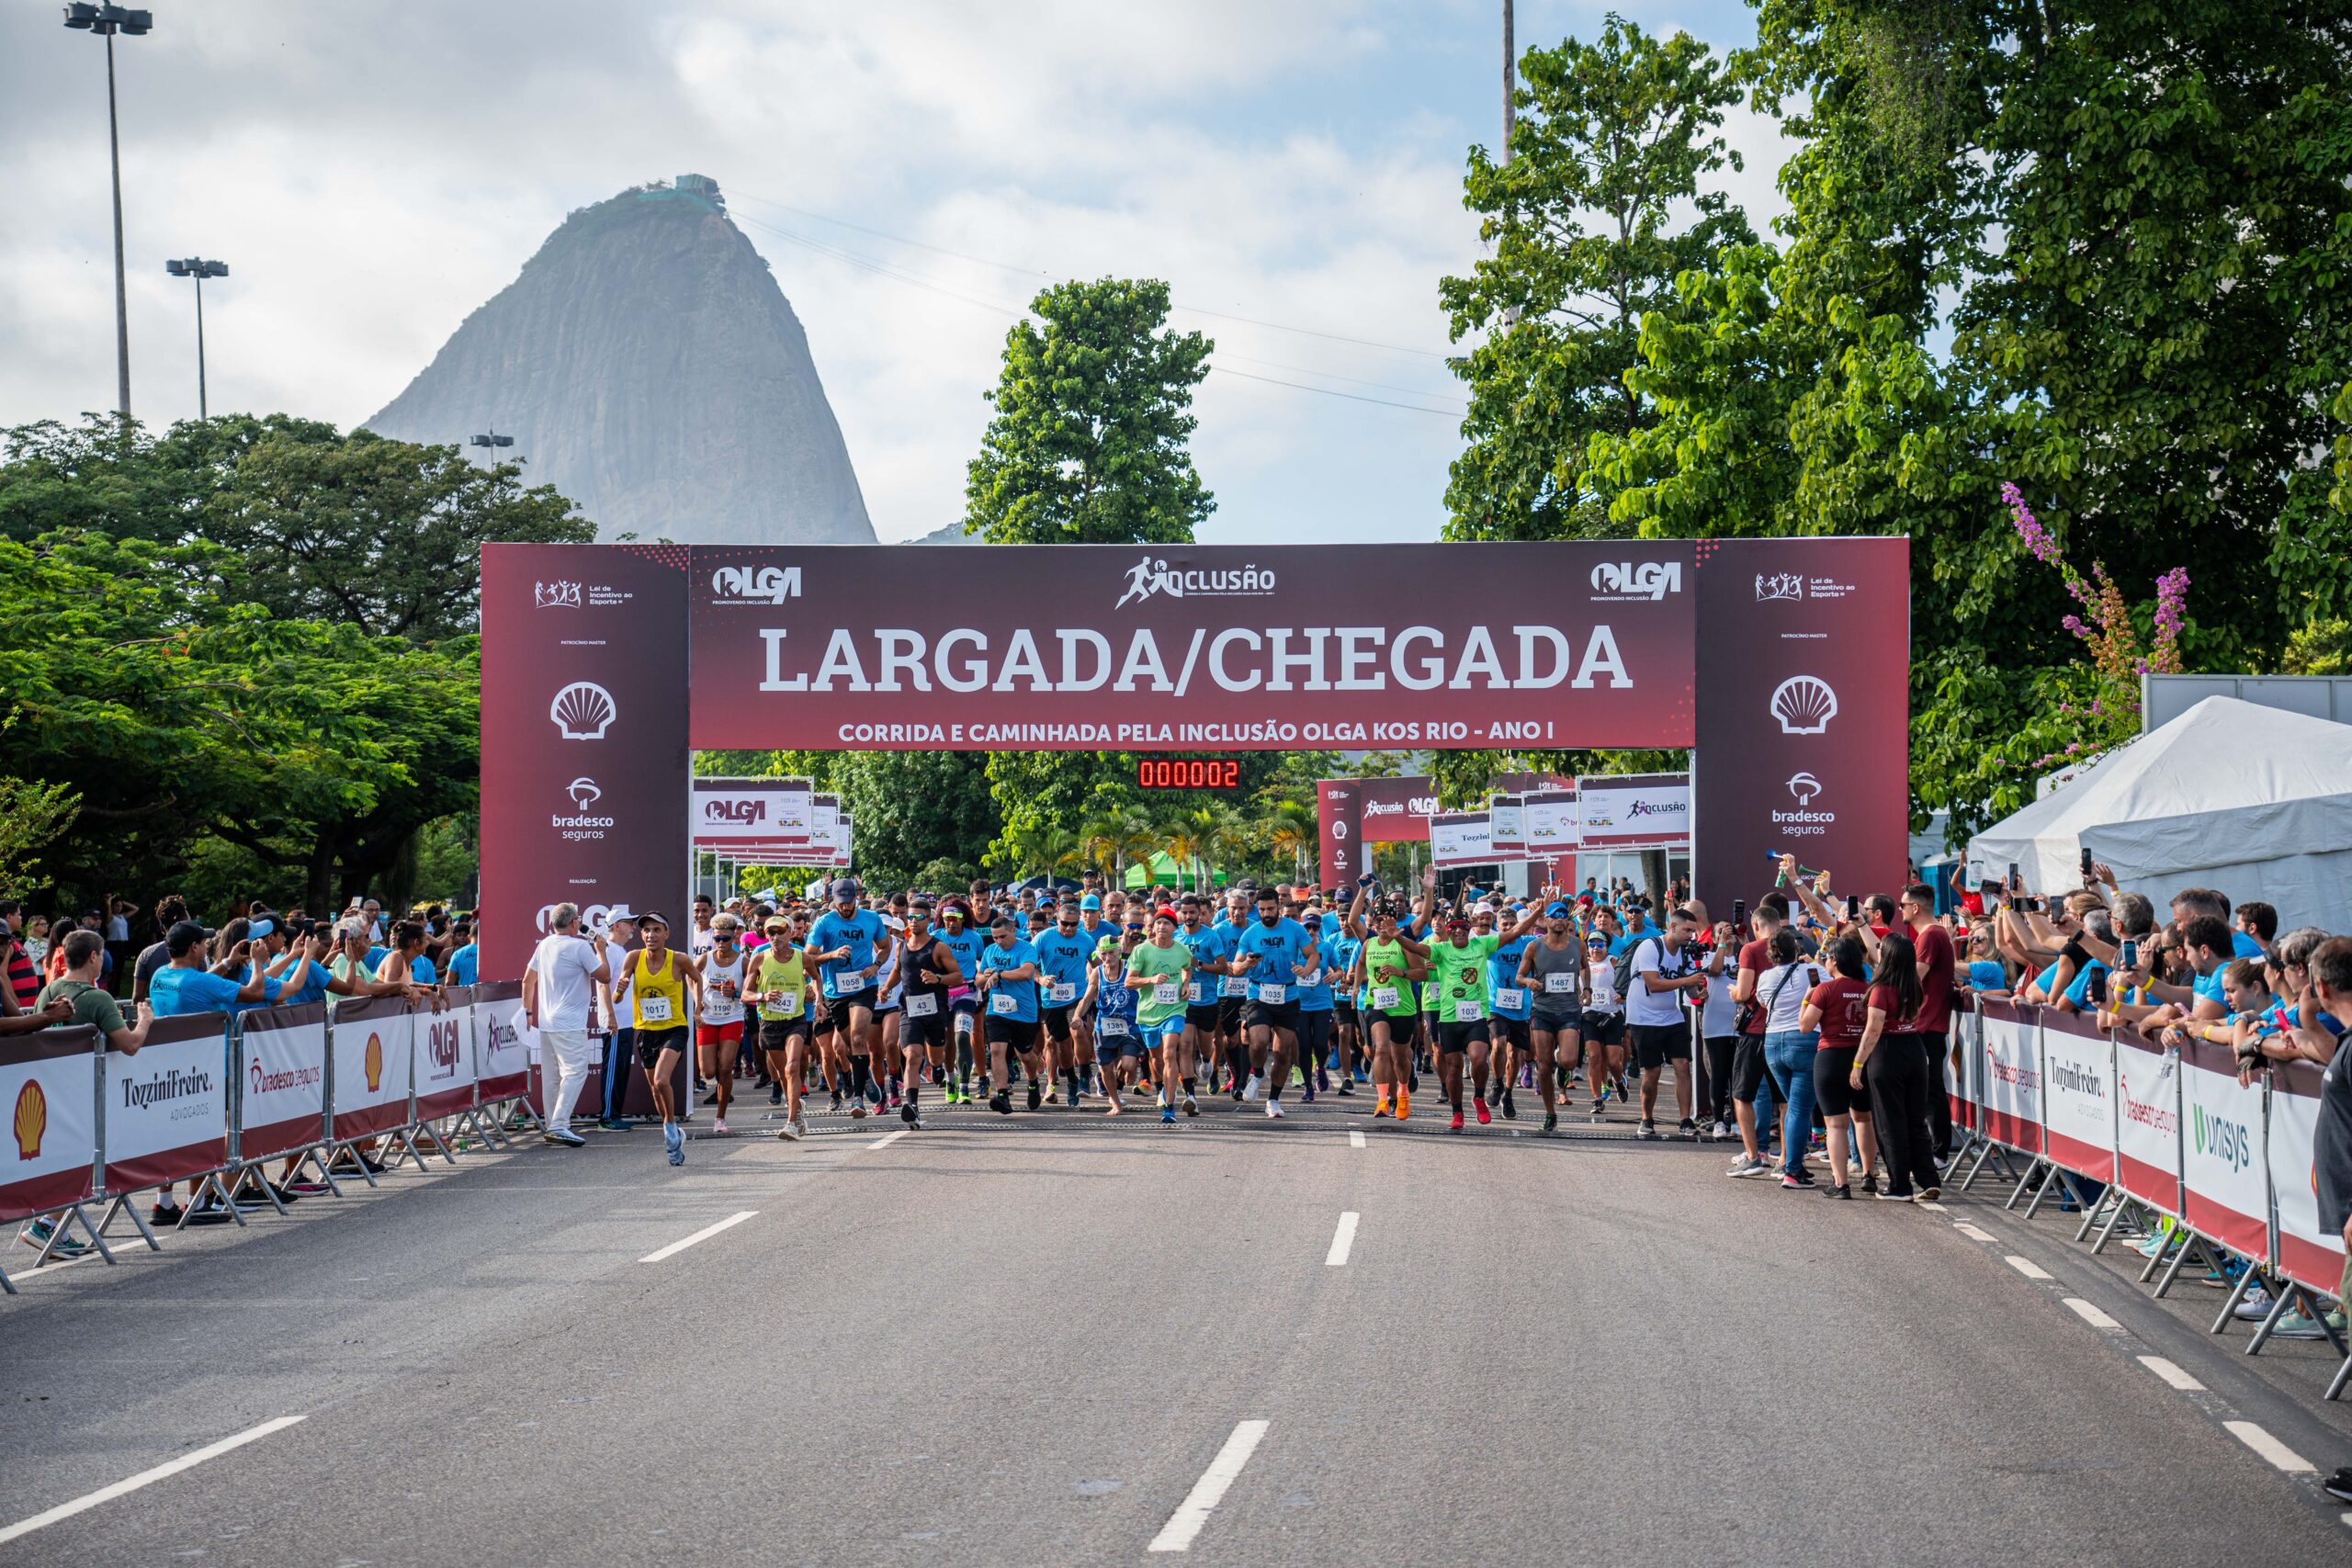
x: 915, y: 171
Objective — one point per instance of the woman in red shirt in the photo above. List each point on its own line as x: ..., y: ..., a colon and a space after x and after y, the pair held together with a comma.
x: 1839, y: 1008
x: 1893, y: 1060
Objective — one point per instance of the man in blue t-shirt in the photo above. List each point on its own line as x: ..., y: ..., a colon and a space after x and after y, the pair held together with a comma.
x: 1273, y: 956
x: 1511, y: 1007
x: 964, y: 940
x: 464, y: 964
x: 1062, y: 953
x: 1211, y: 946
x: 848, y: 946
x: 185, y: 986
x: 1008, y: 982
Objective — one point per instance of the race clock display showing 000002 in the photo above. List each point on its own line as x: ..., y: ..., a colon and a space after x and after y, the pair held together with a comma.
x: 1188, y: 772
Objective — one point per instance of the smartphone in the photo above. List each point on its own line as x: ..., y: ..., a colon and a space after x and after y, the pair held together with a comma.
x: 1739, y: 919
x: 1853, y: 907
x: 2127, y: 956
x: 2086, y: 868
x: 2014, y: 883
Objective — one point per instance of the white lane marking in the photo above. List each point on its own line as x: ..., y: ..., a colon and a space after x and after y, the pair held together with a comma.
x: 188, y: 1461
x: 2028, y: 1267
x: 2089, y: 1313
x: 2172, y: 1374
x: 1971, y: 1232
x: 1193, y: 1511
x: 888, y: 1138
x: 2280, y: 1456
x: 1356, y: 1139
x: 1933, y: 1206
x: 1342, y: 1240
x: 729, y: 1223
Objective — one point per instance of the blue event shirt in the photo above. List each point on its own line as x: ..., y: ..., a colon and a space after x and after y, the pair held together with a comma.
x: 463, y: 965
x: 965, y: 945
x: 304, y: 983
x: 2244, y: 946
x: 1209, y: 944
x: 1987, y: 974
x: 1316, y: 998
x: 1279, y: 949
x: 1503, y: 973
x: 175, y: 991
x: 996, y: 955
x: 1062, y: 961
x: 858, y: 933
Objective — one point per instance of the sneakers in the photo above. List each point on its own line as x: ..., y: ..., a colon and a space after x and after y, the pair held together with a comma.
x: 42, y: 1233
x: 1403, y: 1104
x: 310, y: 1186
x: 2255, y: 1306
x: 1838, y: 1190
x: 1891, y: 1197
x: 1745, y: 1165
x: 1486, y: 1118
x: 563, y: 1137
x: 1250, y: 1090
x: 1036, y: 1095
x: 166, y: 1214
x: 614, y: 1125
x: 1800, y: 1179
x: 910, y: 1115
x: 1688, y: 1131
x: 1724, y: 1131
x: 1931, y: 1192
x: 2339, y: 1485
x: 2295, y: 1325
x: 1551, y: 1123
x: 1647, y: 1130
x: 1456, y: 1125
x: 1192, y: 1106
x: 1273, y: 1110
x: 790, y: 1131
x: 1380, y: 1109
x: 1001, y: 1101
x: 718, y: 1125
x: 674, y: 1138
x: 776, y: 1094
x: 1509, y: 1108
x: 857, y: 1107
x: 1168, y: 1116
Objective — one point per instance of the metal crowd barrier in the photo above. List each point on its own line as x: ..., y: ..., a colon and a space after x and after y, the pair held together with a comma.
x: 209, y: 1100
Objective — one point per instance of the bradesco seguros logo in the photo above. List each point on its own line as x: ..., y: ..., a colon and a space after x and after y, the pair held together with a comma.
x: 1151, y: 575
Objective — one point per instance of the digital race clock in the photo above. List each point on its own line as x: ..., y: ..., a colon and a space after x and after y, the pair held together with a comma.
x: 1188, y: 772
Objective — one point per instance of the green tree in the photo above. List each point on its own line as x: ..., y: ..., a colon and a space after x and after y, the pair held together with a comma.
x: 1596, y: 208
x: 32, y: 816
x: 1089, y: 443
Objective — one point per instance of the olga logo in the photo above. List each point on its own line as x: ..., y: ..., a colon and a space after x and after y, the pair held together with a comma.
x: 2218, y: 1139
x: 755, y: 585
x: 1779, y: 585
x: 595, y: 917
x: 555, y: 595
x: 1149, y: 577
x: 744, y: 810
x: 1647, y: 580
x: 581, y: 711
x: 441, y: 1046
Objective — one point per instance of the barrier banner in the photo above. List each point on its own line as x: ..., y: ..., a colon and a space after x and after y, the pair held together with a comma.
x: 47, y: 1081
x: 503, y: 1055
x: 1461, y: 838
x: 2078, y: 1098
x: 2147, y: 1122
x: 1553, y: 821
x: 1965, y: 1055
x: 767, y: 811
x: 2226, y: 1187
x: 372, y: 1047
x: 2012, y: 1076
x: 1634, y: 811
x: 167, y: 1108
x: 1507, y: 826
x: 444, y: 1055
x: 282, y: 1074
x: 2309, y: 1252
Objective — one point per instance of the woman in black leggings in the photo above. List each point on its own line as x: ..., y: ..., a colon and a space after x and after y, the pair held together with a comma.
x: 1893, y: 1061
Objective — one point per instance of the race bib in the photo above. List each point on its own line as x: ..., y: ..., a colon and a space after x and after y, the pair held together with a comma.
x: 922, y: 1005
x: 1115, y: 1029
x: 1060, y: 991
x: 1001, y: 1004
x: 787, y: 1006
x: 1193, y: 992
x: 1510, y: 997
x: 1559, y: 985
x: 720, y: 1009
x: 1468, y: 1012
x: 1164, y: 993
x: 1272, y: 996
x: 1383, y: 997
x: 1233, y: 985
x: 653, y: 1009
x: 1312, y: 977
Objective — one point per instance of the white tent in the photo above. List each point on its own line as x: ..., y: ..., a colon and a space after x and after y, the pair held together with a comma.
x: 2251, y: 800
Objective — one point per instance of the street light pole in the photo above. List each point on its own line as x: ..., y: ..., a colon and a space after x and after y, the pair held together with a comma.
x: 200, y: 269
x: 492, y: 440
x: 105, y: 21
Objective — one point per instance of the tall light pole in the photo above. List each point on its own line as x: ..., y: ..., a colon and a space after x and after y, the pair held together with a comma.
x: 492, y: 440
x: 105, y: 21
x: 1511, y: 80
x: 200, y: 269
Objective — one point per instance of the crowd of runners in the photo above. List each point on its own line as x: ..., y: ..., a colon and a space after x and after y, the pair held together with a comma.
x: 1126, y: 1000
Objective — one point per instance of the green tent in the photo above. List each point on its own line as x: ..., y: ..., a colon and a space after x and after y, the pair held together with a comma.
x: 1162, y: 871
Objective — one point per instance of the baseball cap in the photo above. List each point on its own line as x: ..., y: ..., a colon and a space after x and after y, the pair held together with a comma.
x: 1089, y: 902
x: 844, y: 888
x: 1555, y: 910
x: 183, y: 936
x: 777, y: 923
x: 258, y: 928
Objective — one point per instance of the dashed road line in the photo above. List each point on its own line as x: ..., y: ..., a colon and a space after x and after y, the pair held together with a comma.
x: 2089, y: 1313
x: 145, y: 1478
x: 1971, y: 1232
x: 675, y: 1248
x: 1185, y: 1523
x: 1343, y: 1240
x: 2172, y: 1374
x: 884, y: 1141
x: 1356, y: 1139
x: 2278, y: 1454
x: 2028, y: 1267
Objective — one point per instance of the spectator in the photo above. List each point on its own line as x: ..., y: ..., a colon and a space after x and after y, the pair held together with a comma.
x: 465, y: 958
x: 117, y: 935
x: 37, y: 943
x: 558, y: 992
x: 1891, y: 1061
x: 2257, y: 920
x: 1789, y: 1048
x: 2330, y: 970
x: 170, y: 911
x: 23, y: 976
x: 83, y: 953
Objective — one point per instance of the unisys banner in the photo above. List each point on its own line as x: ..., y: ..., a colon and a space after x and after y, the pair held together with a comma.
x: 1804, y: 700
x: 583, y: 737
x: 1099, y: 647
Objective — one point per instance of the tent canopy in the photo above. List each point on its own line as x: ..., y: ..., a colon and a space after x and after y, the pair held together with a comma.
x: 2251, y: 800
x: 1161, y: 871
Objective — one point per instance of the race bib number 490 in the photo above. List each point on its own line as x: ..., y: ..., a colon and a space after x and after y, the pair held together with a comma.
x: 1061, y: 991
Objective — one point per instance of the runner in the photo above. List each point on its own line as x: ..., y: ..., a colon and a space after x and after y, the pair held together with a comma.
x: 780, y: 991
x: 1390, y: 969
x: 1604, y: 1018
x: 1160, y: 973
x: 964, y: 940
x: 883, y: 1085
x: 1662, y: 973
x: 844, y: 943
x: 718, y: 1026
x: 1552, y: 970
x: 1208, y: 951
x: 1273, y: 958
x: 1340, y: 952
x: 1232, y: 989
x: 932, y: 974
x: 658, y: 981
x: 1462, y: 964
x: 1511, y: 1006
x: 1062, y: 953
x: 1111, y: 1004
x: 1008, y: 978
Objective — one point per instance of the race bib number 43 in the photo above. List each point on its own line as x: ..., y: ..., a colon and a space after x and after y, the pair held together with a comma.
x: 922, y: 1004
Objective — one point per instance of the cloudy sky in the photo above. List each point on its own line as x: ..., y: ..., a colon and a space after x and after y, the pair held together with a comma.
x: 915, y: 170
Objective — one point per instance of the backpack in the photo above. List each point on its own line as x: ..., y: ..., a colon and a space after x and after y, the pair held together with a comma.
x: 1625, y: 972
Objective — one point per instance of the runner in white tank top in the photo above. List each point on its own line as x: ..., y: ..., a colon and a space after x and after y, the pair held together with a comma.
x: 718, y: 1030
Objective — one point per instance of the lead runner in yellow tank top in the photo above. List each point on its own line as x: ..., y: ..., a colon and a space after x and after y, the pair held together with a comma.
x: 659, y: 980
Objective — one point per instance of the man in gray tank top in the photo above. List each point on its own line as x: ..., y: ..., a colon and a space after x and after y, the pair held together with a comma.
x: 1552, y: 970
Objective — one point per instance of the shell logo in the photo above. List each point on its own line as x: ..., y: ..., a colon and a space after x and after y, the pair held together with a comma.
x: 31, y: 1119
x: 373, y: 1063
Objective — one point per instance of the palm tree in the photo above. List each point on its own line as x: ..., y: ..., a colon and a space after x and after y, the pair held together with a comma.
x: 1289, y: 829
x: 1206, y: 836
x: 1113, y: 839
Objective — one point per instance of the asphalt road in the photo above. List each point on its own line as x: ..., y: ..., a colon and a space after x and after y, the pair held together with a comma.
x: 1025, y: 1341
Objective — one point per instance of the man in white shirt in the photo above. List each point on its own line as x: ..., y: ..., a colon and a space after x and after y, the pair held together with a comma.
x: 557, y: 988
x: 1662, y: 973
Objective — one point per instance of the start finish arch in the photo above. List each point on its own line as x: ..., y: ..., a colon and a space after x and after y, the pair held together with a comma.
x: 1783, y: 664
